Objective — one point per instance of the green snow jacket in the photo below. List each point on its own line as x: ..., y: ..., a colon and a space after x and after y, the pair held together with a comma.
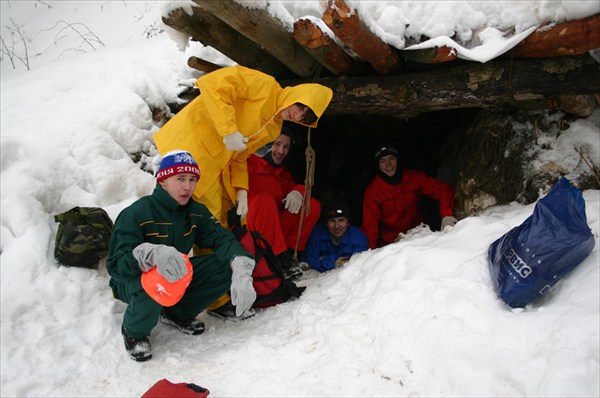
x: 159, y: 219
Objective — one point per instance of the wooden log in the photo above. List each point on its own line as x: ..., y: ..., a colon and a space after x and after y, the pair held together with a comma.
x: 322, y: 47
x: 202, y: 65
x: 348, y: 27
x: 211, y: 31
x: 261, y: 27
x: 488, y: 85
x: 569, y: 38
x: 434, y: 55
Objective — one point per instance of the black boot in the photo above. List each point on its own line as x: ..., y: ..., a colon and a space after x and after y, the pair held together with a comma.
x: 138, y: 349
x: 290, y: 268
x: 192, y: 326
x: 226, y: 312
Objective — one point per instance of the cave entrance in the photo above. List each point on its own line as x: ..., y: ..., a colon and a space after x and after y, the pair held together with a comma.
x: 345, y: 145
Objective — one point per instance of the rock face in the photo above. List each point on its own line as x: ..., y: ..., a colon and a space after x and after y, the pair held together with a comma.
x: 487, y: 167
x: 515, y: 156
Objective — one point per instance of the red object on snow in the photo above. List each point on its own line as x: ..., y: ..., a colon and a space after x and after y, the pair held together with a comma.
x: 165, y: 389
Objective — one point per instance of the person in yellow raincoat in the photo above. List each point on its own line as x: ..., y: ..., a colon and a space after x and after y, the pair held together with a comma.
x: 238, y: 111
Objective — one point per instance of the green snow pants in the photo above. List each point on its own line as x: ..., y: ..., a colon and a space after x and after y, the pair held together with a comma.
x: 211, y: 280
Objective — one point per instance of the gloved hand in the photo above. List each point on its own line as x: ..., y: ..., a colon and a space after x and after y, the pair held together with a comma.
x: 341, y: 261
x: 293, y: 201
x: 235, y: 141
x: 167, y: 259
x: 242, y: 203
x: 448, y: 221
x: 242, y: 291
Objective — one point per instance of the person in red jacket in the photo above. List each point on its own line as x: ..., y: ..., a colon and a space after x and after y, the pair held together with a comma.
x: 391, y: 200
x: 275, y: 201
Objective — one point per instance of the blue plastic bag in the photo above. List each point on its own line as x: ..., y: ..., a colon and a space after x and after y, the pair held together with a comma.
x: 530, y: 258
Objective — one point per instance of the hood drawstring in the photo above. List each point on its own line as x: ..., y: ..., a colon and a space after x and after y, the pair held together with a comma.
x: 266, y: 124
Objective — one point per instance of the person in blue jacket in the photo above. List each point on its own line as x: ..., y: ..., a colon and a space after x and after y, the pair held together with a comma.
x: 334, y: 241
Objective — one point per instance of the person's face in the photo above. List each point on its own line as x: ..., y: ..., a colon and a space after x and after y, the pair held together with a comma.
x: 388, y: 164
x: 180, y: 187
x: 294, y: 113
x: 337, y: 226
x: 280, y: 148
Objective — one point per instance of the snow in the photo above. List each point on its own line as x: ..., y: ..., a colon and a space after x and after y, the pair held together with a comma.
x: 493, y: 44
x: 415, y: 318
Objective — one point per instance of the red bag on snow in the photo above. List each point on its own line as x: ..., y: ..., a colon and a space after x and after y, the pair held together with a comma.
x: 165, y: 389
x: 268, y: 278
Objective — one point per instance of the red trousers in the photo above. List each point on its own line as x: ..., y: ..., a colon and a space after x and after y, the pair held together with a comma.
x: 280, y: 227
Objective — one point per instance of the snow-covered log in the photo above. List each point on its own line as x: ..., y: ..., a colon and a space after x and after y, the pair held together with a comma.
x: 569, y: 38
x: 261, y: 27
x: 323, y: 48
x: 211, y: 31
x: 348, y: 27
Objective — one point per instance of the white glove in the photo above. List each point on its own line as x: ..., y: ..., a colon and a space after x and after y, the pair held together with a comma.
x: 235, y: 141
x: 242, y: 291
x: 340, y: 262
x: 293, y: 201
x: 242, y: 203
x: 167, y: 259
x: 448, y: 221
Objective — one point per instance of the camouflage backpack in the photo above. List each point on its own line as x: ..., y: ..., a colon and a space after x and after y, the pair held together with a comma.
x: 83, y: 236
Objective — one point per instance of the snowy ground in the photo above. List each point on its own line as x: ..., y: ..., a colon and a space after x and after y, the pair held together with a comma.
x: 416, y: 318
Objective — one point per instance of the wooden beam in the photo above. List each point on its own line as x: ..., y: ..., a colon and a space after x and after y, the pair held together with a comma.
x: 434, y: 55
x: 261, y: 27
x: 202, y: 65
x: 569, y: 38
x: 322, y: 47
x: 211, y: 31
x: 348, y: 27
x: 488, y: 85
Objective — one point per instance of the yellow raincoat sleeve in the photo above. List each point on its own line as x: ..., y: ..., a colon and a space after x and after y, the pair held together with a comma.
x: 225, y: 90
x: 217, y: 94
x: 239, y: 170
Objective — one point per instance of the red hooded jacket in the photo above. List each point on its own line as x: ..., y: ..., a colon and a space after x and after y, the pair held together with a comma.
x: 264, y: 177
x: 391, y: 209
x: 269, y: 185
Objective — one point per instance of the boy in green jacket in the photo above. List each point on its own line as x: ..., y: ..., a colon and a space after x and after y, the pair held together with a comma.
x: 154, y: 231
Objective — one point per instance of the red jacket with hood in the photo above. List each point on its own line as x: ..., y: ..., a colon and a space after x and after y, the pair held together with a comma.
x: 264, y: 177
x: 389, y: 209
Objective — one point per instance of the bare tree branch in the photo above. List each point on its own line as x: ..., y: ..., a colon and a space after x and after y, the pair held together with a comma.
x: 8, y: 52
x: 17, y: 36
x: 88, y: 37
x: 590, y: 163
x: 42, y: 3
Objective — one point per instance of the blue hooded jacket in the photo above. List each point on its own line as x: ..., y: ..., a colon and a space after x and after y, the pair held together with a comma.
x: 321, y: 253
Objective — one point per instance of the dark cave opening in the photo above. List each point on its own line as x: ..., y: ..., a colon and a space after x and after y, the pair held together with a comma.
x: 345, y: 145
